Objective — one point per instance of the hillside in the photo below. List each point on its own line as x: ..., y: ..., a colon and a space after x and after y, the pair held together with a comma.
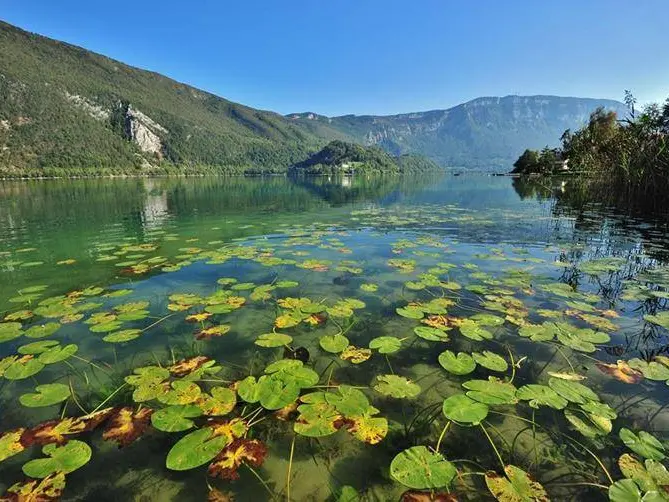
x: 67, y: 111
x: 343, y: 157
x: 66, y: 108
x: 485, y: 133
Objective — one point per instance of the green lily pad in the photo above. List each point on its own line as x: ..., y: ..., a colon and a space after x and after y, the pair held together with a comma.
x: 221, y: 401
x: 431, y: 334
x: 9, y: 331
x: 462, y: 364
x: 488, y: 320
x: 490, y: 360
x: 270, y: 340
x: 541, y: 395
x: 661, y: 319
x: 42, y: 330
x: 35, y: 348
x: 648, y: 477
x: 385, y: 344
x: 147, y: 375
x: 419, y: 468
x: 175, y: 418
x: 625, y: 490
x: 67, y: 458
x: 57, y: 354
x: 474, y: 331
x: 491, y: 391
x: 46, y: 395
x: 580, y: 339
x: 599, y: 409
x: 572, y: 391
x: 517, y: 486
x: 106, y: 327
x: 652, y: 370
x: 316, y: 419
x: 124, y: 335
x: 541, y: 333
x: 396, y: 386
x: 195, y: 449
x: 464, y: 410
x: 333, y: 343
x: 643, y: 444
x: 21, y: 368
x: 410, y: 312
x: 590, y: 426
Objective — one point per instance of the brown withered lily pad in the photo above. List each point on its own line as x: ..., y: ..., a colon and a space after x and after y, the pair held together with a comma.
x: 10, y: 443
x: 199, y: 317
x: 188, y: 366
x: 212, y: 332
x: 226, y: 463
x: 36, y: 490
x: 621, y: 371
x: 125, y: 426
x: 419, y: 496
x: 356, y: 355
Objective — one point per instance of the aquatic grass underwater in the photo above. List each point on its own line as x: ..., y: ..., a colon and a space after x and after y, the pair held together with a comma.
x: 438, y: 339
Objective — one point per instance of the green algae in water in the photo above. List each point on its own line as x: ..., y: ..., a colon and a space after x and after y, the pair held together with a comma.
x: 264, y: 338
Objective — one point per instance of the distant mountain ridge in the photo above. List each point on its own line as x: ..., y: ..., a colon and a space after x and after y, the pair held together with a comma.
x: 486, y: 133
x: 67, y: 111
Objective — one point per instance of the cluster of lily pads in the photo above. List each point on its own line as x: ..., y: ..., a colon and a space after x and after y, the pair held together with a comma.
x: 478, y: 329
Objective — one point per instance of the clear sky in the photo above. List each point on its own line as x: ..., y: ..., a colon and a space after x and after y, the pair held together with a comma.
x: 373, y: 56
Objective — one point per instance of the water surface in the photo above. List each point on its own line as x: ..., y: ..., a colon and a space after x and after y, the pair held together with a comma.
x: 439, y: 263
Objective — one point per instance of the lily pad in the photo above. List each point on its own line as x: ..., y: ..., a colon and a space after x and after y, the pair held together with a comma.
x: 42, y: 330
x: 386, y: 344
x: 625, y: 490
x: 10, y: 443
x: 541, y: 395
x: 356, y: 355
x: 491, y: 391
x: 67, y: 458
x: 182, y: 392
x: 643, y: 444
x: 474, y: 331
x: 175, y: 418
x: 270, y: 340
x: 420, y: 468
x: 46, y: 395
x: 19, y: 368
x: 431, y: 334
x: 490, y: 360
x: 410, y: 312
x: 195, y: 449
x: 464, y: 410
x: 333, y: 343
x: 517, y: 486
x: 57, y: 354
x: 572, y: 391
x: 462, y: 364
x: 396, y: 386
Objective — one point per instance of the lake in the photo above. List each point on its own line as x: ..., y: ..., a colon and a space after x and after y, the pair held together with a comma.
x: 330, y: 339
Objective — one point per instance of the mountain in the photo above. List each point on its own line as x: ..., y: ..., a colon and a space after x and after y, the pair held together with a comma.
x: 68, y: 111
x: 485, y: 133
x: 64, y: 109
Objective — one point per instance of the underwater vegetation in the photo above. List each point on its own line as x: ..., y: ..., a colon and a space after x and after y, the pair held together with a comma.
x: 283, y: 366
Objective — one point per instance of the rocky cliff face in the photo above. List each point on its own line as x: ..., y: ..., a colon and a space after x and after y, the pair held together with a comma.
x: 144, y: 131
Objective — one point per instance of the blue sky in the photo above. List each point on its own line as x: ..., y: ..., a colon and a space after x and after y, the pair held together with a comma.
x: 373, y: 56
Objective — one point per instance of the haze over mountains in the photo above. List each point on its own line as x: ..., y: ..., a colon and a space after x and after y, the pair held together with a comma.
x: 67, y: 108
